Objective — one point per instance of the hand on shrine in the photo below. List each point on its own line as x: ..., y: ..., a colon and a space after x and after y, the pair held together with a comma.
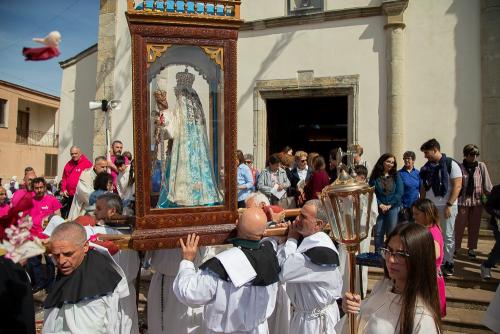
x: 190, y: 248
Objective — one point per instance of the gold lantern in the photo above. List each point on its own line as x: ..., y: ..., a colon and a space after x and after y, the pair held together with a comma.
x: 348, y: 206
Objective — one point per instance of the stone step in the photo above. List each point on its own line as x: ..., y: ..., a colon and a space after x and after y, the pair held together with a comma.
x: 464, y: 321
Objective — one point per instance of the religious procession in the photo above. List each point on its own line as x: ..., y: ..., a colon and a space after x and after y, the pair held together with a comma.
x: 182, y: 180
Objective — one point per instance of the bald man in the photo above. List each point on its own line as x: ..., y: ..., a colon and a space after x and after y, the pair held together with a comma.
x: 238, y: 286
x: 71, y: 174
x: 85, y: 187
x: 89, y: 287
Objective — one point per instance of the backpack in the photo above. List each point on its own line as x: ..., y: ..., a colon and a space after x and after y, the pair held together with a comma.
x: 448, y: 164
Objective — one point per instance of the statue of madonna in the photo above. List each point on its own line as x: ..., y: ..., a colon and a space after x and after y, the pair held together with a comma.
x: 189, y: 175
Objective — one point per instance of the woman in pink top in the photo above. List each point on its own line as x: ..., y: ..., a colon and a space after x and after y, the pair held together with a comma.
x: 4, y: 204
x: 425, y: 213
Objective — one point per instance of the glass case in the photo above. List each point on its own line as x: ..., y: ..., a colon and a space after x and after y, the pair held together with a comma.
x: 184, y: 118
x: 186, y: 128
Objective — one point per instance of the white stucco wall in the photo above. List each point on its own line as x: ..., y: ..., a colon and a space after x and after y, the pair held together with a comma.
x: 264, y: 9
x: 76, y: 124
x: 121, y: 120
x: 330, y: 49
x: 443, y: 74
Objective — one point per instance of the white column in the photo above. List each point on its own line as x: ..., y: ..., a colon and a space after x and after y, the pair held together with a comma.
x: 395, y: 76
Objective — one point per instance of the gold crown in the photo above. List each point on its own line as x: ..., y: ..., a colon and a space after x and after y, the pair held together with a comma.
x: 185, y: 79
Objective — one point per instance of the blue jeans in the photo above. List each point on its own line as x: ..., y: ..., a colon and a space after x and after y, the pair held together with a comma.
x: 448, y: 231
x: 386, y: 222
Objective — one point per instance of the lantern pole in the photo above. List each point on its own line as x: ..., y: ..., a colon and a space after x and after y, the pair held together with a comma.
x: 345, y: 209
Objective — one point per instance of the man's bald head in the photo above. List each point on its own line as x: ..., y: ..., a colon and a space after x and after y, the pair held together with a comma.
x: 252, y: 224
x: 70, y: 231
x: 68, y: 247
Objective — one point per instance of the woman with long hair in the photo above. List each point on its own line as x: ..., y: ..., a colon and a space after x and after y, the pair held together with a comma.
x: 426, y: 214
x: 389, y: 191
x: 405, y: 301
x: 319, y: 179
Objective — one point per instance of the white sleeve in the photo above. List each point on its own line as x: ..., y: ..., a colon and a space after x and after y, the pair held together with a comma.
x: 456, y: 172
x: 194, y: 288
x: 285, y: 250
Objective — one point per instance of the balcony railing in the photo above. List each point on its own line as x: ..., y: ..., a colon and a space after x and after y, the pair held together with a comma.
x: 36, y: 138
x: 222, y: 9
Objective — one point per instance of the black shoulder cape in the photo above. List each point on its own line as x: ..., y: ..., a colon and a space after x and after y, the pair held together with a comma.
x: 263, y: 260
x: 322, y: 256
x: 94, y: 278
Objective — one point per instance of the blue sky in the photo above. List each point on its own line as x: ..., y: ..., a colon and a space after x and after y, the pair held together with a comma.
x: 76, y: 20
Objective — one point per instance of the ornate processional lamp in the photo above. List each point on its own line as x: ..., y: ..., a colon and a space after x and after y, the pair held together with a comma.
x: 348, y: 203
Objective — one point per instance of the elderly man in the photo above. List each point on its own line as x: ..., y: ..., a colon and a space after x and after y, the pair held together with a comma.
x: 86, y: 296
x: 441, y: 183
x: 85, y: 187
x: 310, y: 271
x: 107, y: 206
x: 71, y: 174
x: 238, y: 286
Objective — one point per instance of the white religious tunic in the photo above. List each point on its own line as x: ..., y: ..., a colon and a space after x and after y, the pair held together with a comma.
x: 166, y: 314
x: 84, y: 188
x: 104, y: 315
x: 379, y: 313
x: 128, y: 260
x: 312, y: 288
x: 233, y: 306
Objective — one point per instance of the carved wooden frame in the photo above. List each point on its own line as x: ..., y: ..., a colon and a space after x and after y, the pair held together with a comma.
x: 161, y: 228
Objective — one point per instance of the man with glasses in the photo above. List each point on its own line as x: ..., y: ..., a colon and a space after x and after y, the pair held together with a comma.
x: 311, y: 272
x: 411, y: 182
x: 255, y: 172
x: 300, y: 175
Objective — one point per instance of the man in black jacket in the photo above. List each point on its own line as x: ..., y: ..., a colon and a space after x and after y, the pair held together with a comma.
x: 492, y: 206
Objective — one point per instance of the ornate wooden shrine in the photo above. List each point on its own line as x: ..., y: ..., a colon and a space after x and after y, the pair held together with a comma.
x: 184, y: 120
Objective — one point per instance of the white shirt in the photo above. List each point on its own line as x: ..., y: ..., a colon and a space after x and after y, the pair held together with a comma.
x: 302, y: 173
x: 456, y: 172
x: 126, y: 191
x: 379, y: 313
x: 228, y: 309
x: 83, y: 190
x: 313, y: 289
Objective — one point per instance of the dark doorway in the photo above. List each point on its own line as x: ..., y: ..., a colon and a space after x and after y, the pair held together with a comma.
x: 311, y: 124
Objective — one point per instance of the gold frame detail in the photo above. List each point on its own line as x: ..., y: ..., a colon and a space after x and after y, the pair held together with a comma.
x: 216, y: 54
x: 156, y: 50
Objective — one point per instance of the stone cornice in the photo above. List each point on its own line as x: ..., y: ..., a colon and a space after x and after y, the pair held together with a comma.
x: 394, y: 7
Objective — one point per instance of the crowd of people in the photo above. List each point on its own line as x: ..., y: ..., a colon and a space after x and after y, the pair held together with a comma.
x: 292, y: 284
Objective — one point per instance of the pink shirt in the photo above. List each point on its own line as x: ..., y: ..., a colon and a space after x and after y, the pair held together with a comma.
x: 18, y: 195
x: 113, y: 173
x: 42, y: 208
x: 4, y: 209
x: 438, y: 237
